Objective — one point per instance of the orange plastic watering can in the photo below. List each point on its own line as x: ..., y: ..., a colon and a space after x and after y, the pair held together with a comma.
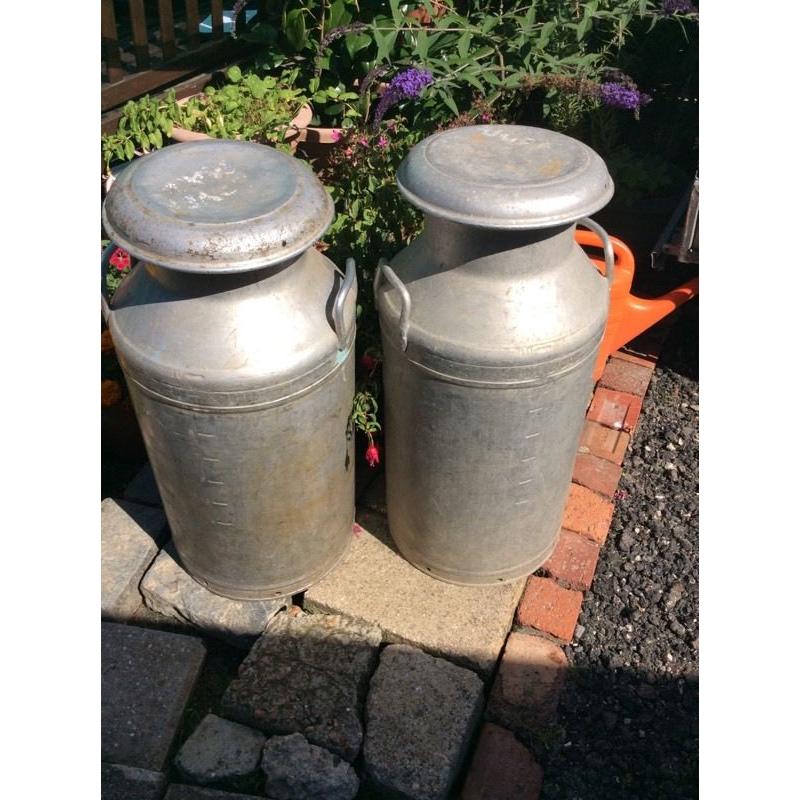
x: 629, y: 315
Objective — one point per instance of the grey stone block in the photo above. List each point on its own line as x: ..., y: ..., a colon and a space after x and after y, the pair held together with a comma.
x: 118, y: 782
x: 421, y: 715
x: 143, y: 488
x: 297, y: 770
x: 220, y: 751
x: 168, y: 589
x: 147, y: 677
x: 307, y: 674
x: 130, y: 535
x: 178, y: 791
x: 375, y: 584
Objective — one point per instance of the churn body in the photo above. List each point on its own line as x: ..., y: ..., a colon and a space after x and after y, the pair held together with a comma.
x: 491, y: 322
x: 236, y: 339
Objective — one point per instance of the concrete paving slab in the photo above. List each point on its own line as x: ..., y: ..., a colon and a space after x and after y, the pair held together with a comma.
x: 421, y: 715
x: 147, y: 677
x: 376, y: 585
x: 307, y: 674
x: 178, y: 791
x: 118, y: 782
x: 168, y: 589
x: 130, y: 535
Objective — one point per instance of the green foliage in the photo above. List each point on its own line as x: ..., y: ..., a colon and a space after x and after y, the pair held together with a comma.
x: 365, y: 407
x: 250, y: 107
x: 247, y: 106
x: 491, y: 49
x: 143, y: 126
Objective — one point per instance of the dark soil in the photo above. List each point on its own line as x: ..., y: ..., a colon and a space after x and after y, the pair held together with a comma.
x: 628, y: 719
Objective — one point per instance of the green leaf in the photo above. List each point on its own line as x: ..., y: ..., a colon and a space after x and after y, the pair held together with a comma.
x: 295, y: 28
x: 489, y: 23
x: 545, y: 33
x: 234, y: 74
x: 385, y: 44
x: 422, y: 44
x: 130, y: 151
x: 397, y: 14
x: 529, y: 20
x: 463, y: 45
x: 355, y: 42
x: 449, y: 102
x: 586, y: 21
x: 337, y: 15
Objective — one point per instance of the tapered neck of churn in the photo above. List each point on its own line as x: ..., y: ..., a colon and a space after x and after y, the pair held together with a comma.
x: 455, y: 245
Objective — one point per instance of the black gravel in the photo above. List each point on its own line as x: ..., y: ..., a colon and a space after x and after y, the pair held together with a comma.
x: 627, y: 722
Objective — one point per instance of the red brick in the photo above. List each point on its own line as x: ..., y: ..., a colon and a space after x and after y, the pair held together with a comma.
x: 573, y: 561
x: 642, y: 359
x: 529, y: 680
x: 618, y: 410
x: 587, y: 513
x: 549, y: 607
x: 502, y: 768
x: 604, y: 442
x: 623, y: 376
x: 597, y: 474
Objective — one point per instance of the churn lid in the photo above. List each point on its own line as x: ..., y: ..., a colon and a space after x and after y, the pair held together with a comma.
x: 216, y: 206
x: 505, y: 176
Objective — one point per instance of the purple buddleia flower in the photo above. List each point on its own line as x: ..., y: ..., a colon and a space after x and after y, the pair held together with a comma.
x: 406, y: 85
x: 618, y: 95
x: 670, y: 7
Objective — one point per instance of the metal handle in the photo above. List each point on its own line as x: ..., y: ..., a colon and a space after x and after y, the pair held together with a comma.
x: 338, y: 303
x: 104, y: 304
x: 608, y: 248
x: 384, y: 270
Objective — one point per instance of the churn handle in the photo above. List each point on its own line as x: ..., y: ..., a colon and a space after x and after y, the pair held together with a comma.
x: 405, y: 298
x: 104, y: 304
x: 608, y: 248
x: 338, y: 303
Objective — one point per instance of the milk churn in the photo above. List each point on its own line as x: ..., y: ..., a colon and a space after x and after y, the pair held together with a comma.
x: 491, y: 322
x: 236, y: 339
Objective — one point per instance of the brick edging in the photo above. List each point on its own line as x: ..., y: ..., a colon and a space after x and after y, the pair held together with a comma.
x: 532, y: 668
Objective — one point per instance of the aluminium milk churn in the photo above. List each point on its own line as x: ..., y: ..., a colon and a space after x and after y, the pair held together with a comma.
x: 236, y: 339
x: 491, y: 321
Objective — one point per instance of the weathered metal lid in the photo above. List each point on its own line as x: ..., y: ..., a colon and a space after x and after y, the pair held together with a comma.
x: 216, y: 206
x: 505, y: 176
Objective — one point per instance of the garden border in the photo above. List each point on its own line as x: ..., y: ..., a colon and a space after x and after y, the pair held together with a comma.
x: 532, y: 668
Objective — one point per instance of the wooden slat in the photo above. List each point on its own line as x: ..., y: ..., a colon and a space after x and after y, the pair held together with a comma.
x: 110, y: 45
x: 139, y: 26
x: 240, y: 23
x: 166, y: 25
x: 216, y: 17
x: 192, y: 21
x: 205, y: 57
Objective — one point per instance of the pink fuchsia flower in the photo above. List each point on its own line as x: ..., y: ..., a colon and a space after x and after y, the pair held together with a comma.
x: 336, y: 134
x: 372, y: 455
x: 363, y: 141
x: 120, y: 259
x: 369, y: 362
x: 383, y: 142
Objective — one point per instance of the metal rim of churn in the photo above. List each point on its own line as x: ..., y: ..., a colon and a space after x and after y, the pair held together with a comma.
x: 505, y: 176
x: 181, y: 209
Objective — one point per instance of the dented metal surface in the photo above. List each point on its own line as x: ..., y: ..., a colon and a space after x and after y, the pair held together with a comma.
x: 217, y: 206
x: 509, y: 177
x: 242, y: 379
x: 490, y: 332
